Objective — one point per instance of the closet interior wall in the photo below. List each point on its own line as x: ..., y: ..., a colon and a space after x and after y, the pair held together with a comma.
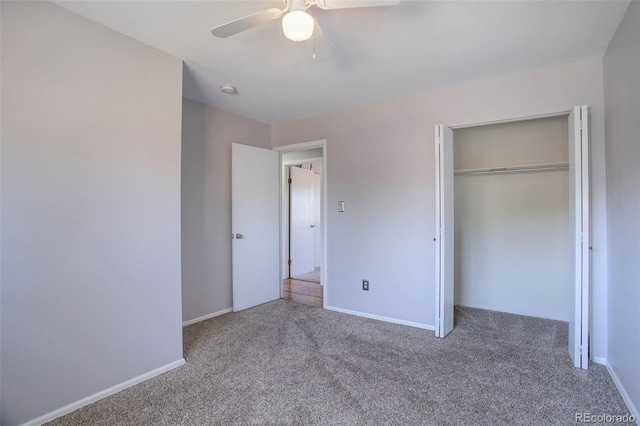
x: 512, y: 245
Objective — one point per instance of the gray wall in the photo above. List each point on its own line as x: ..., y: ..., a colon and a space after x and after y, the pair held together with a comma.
x: 380, y: 161
x: 90, y: 209
x: 622, y: 101
x: 207, y: 135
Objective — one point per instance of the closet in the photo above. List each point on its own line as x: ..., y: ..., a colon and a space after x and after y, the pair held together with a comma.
x: 512, y: 241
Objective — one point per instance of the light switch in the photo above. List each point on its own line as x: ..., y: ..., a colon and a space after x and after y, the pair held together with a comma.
x: 341, y: 206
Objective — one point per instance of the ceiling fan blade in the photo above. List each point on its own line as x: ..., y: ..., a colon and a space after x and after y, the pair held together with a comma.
x: 349, y: 4
x: 320, y: 50
x: 245, y: 23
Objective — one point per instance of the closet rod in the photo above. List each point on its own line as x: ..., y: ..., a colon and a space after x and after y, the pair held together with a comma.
x: 513, y: 169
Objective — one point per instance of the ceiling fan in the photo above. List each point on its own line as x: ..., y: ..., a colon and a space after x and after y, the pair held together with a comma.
x: 297, y: 24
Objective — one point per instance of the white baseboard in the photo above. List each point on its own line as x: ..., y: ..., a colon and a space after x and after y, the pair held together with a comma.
x: 599, y: 360
x: 630, y: 405
x: 381, y: 318
x: 206, y: 317
x: 102, y: 394
x: 514, y: 311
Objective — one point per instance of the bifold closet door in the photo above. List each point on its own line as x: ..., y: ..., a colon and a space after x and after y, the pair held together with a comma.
x: 444, y: 230
x: 579, y: 208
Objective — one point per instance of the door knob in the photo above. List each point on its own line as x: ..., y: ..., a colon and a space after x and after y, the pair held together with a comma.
x: 313, y: 226
x: 238, y: 236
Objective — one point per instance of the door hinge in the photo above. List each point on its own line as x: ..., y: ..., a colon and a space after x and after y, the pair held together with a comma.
x: 289, y: 262
x: 289, y: 180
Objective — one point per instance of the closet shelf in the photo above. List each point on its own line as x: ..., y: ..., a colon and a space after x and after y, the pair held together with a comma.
x: 513, y: 169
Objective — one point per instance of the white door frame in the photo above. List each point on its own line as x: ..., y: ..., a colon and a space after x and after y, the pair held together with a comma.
x: 284, y: 212
x: 585, y: 301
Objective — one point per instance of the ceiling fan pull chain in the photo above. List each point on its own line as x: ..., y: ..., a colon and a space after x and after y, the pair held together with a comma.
x: 314, y: 44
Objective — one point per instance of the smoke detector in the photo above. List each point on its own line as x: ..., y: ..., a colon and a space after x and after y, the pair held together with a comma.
x: 229, y: 89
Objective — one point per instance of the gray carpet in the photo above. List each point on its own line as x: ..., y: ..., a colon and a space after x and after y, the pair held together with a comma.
x: 313, y: 276
x: 285, y: 363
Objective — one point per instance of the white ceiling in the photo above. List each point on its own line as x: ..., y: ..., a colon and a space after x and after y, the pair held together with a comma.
x: 380, y: 53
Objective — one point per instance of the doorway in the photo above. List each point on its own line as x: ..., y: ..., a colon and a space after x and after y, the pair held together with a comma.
x: 303, y: 223
x: 489, y: 263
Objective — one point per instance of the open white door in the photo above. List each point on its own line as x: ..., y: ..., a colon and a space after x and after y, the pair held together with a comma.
x: 255, y: 215
x: 317, y: 220
x: 444, y: 230
x: 302, y: 231
x: 579, y: 209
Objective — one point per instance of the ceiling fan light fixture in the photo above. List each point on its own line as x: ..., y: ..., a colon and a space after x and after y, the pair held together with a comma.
x: 297, y: 25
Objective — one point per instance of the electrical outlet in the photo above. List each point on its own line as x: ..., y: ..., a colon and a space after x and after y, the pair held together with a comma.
x: 365, y: 285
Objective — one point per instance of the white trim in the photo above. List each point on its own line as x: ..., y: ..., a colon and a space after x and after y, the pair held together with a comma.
x: 599, y: 360
x: 206, y: 317
x: 284, y: 255
x: 301, y: 160
x: 512, y: 120
x: 627, y: 399
x: 301, y: 146
x: 381, y: 318
x: 515, y: 311
x: 103, y: 394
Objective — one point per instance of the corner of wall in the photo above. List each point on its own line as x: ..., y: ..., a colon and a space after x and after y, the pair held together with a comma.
x: 623, y: 392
